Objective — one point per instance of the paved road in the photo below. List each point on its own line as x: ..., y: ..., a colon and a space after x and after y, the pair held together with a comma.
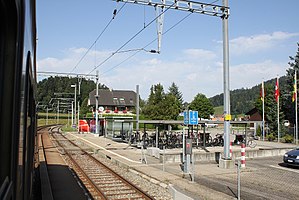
x: 265, y: 178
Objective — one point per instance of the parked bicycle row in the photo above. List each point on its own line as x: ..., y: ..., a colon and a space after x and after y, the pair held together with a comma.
x: 171, y: 140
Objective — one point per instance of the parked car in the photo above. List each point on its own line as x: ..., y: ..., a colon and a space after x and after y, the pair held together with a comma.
x: 292, y: 157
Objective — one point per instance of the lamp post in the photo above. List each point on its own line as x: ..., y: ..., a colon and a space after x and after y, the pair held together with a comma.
x: 57, y: 119
x: 97, y: 102
x: 75, y: 100
x: 72, y: 112
x: 47, y: 115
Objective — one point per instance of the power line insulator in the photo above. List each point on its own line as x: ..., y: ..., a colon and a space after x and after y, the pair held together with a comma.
x: 114, y: 13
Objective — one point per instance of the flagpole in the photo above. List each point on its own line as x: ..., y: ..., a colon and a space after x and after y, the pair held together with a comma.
x: 296, y: 105
x: 278, y: 127
x: 263, y: 101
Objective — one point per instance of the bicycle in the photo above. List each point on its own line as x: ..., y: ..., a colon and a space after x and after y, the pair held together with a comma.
x: 218, y: 140
x: 251, y: 143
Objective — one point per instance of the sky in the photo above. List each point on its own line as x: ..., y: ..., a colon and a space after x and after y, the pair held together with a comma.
x: 262, y: 36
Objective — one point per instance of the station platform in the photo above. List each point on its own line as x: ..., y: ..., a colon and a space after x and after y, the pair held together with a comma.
x: 165, y: 168
x: 57, y: 180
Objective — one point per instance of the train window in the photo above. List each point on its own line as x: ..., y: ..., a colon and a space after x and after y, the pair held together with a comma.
x: 8, y: 35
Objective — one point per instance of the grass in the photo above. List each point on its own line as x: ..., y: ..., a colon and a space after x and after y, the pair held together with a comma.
x: 218, y: 110
x: 41, y: 114
x: 43, y: 121
x: 66, y: 127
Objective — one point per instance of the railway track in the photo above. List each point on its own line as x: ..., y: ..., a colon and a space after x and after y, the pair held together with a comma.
x: 100, y: 180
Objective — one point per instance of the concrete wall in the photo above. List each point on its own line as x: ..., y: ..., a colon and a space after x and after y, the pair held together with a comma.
x: 215, y: 156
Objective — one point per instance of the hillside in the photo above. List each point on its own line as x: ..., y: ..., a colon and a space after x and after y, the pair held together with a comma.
x: 243, y: 100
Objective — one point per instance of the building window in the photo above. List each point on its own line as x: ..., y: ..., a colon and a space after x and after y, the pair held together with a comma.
x: 115, y: 100
x: 122, y: 101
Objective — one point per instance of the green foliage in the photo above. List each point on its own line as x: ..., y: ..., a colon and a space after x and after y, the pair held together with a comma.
x: 218, y: 110
x: 289, y: 106
x: 270, y: 108
x: 287, y: 138
x: 259, y: 131
x: 243, y: 100
x: 203, y: 105
x: 171, y: 107
x: 84, y: 109
x: 270, y: 137
x: 66, y: 128
x: 89, y: 115
x: 174, y: 90
x: 161, y: 105
x: 61, y: 86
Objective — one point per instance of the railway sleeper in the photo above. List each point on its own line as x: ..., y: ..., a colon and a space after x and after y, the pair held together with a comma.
x: 129, y: 196
x: 120, y: 192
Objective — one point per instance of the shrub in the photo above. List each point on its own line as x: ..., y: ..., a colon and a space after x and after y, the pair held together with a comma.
x: 271, y: 137
x: 288, y: 138
x: 259, y: 131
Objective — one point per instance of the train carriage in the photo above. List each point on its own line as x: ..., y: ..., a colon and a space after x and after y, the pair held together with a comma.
x: 17, y: 98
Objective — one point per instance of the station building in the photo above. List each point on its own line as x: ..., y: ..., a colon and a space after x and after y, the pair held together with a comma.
x: 116, y: 113
x: 114, y: 101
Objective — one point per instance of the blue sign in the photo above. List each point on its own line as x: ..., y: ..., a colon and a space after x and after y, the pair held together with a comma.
x: 186, y: 117
x: 191, y: 117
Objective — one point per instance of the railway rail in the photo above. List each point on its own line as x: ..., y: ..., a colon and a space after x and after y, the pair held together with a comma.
x: 100, y: 180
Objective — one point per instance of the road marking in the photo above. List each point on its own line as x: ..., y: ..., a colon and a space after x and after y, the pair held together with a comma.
x: 286, y: 169
x: 107, y: 150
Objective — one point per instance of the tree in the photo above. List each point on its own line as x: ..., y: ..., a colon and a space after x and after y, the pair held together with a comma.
x: 203, y: 105
x: 289, y: 106
x: 174, y: 90
x: 152, y: 109
x: 171, y: 107
x: 48, y: 87
x: 84, y: 109
x: 270, y: 108
x: 161, y: 105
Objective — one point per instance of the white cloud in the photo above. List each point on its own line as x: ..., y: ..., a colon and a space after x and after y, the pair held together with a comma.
x: 256, y: 43
x: 71, y: 59
x: 191, y: 75
x: 203, y: 74
x: 200, y: 54
x: 249, y: 75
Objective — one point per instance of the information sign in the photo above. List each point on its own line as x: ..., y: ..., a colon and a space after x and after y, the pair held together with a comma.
x: 191, y: 117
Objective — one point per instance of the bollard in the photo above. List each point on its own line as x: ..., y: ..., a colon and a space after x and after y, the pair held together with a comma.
x: 239, y: 180
x: 231, y: 150
x: 163, y: 158
x: 242, y: 155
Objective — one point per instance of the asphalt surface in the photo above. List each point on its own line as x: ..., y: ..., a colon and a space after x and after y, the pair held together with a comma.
x: 263, y: 178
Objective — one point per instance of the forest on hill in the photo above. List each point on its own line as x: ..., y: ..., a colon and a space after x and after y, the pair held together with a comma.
x: 52, y: 89
x: 244, y: 99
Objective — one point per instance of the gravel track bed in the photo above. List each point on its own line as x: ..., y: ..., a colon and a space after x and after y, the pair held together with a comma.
x: 154, y: 190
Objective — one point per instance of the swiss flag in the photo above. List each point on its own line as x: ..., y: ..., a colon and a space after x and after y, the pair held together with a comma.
x: 276, y: 90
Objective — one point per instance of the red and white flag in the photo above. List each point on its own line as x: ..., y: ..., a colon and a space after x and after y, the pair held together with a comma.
x: 277, y: 90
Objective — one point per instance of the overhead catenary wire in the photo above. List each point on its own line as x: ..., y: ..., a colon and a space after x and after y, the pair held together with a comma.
x: 115, y: 12
x: 44, y: 73
x: 214, y: 1
x: 115, y: 52
x: 144, y: 48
